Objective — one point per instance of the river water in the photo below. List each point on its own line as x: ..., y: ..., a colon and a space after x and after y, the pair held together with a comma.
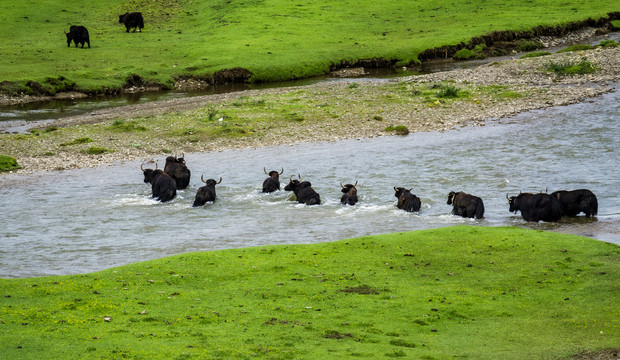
x: 90, y: 219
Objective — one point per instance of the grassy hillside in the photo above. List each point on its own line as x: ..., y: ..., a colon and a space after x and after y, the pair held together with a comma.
x: 460, y: 292
x: 274, y: 39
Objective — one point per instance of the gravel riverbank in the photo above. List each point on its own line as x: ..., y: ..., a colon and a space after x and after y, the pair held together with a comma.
x: 356, y: 110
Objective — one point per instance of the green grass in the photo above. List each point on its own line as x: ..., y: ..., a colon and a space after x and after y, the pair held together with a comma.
x: 78, y: 141
x: 577, y: 47
x: 398, y: 129
x: 459, y: 292
x: 273, y: 39
x: 448, y: 92
x: 570, y: 68
x: 96, y: 150
x: 8, y: 163
x: 535, y: 54
x: 126, y: 126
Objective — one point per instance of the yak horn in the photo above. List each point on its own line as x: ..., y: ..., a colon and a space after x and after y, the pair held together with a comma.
x: 219, y: 181
x: 202, y: 179
x: 142, y: 167
x: 507, y: 198
x: 291, y: 178
x: 299, y: 176
x: 354, y: 185
x: 341, y: 185
x: 281, y: 172
x: 395, y: 188
x: 265, y: 170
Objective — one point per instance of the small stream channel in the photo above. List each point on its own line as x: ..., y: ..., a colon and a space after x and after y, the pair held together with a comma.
x: 20, y: 117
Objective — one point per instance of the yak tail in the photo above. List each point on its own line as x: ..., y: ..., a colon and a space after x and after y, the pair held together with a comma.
x: 480, y: 210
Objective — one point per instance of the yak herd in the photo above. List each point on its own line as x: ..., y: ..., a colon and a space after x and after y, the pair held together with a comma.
x: 175, y: 176
x: 533, y: 207
x: 79, y: 34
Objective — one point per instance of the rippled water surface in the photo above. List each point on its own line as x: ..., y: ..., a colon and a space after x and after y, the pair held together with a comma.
x: 90, y: 219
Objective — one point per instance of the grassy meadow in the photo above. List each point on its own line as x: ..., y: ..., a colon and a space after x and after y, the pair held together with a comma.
x: 457, y: 292
x: 274, y: 39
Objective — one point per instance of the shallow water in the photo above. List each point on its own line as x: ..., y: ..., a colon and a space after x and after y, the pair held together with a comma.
x: 90, y: 219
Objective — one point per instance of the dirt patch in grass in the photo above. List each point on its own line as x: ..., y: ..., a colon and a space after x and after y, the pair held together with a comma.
x: 608, y: 354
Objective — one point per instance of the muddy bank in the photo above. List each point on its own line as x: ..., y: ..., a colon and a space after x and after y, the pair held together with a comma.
x: 357, y: 110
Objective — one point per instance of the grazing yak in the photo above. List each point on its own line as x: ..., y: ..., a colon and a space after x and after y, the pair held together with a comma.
x: 272, y: 183
x: 132, y: 20
x: 206, y: 193
x: 164, y: 187
x: 575, y: 201
x: 303, y: 191
x: 406, y: 200
x: 350, y: 194
x: 79, y: 35
x: 176, y: 168
x: 466, y: 205
x: 535, y: 207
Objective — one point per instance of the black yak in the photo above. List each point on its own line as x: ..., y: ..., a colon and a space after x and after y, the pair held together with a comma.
x: 79, y: 35
x: 176, y: 168
x: 207, y: 192
x: 132, y: 20
x: 303, y: 191
x: 350, y: 194
x: 575, y: 201
x: 536, y: 207
x: 272, y: 183
x: 466, y: 205
x: 406, y: 200
x: 163, y: 187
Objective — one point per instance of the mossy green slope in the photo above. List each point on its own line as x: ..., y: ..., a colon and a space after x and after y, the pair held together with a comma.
x: 459, y: 292
x: 274, y: 39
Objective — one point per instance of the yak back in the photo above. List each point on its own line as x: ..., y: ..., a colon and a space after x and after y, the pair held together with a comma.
x: 307, y: 195
x: 205, y: 194
x: 350, y: 195
x: 163, y: 187
x: 176, y: 168
x: 272, y: 183
x: 132, y: 20
x: 79, y: 35
x: 575, y: 201
x: 466, y: 205
x: 406, y: 200
x: 540, y: 207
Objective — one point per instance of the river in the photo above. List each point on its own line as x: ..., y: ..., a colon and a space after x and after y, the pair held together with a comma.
x: 85, y: 220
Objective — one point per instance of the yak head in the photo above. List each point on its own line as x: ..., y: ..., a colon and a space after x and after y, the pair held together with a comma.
x: 150, y: 174
x: 211, y: 182
x: 451, y: 197
x: 274, y: 174
x: 180, y: 159
x: 69, y: 38
x: 401, y: 191
x: 121, y: 18
x: 514, y: 202
x: 293, y: 185
x: 349, y: 187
